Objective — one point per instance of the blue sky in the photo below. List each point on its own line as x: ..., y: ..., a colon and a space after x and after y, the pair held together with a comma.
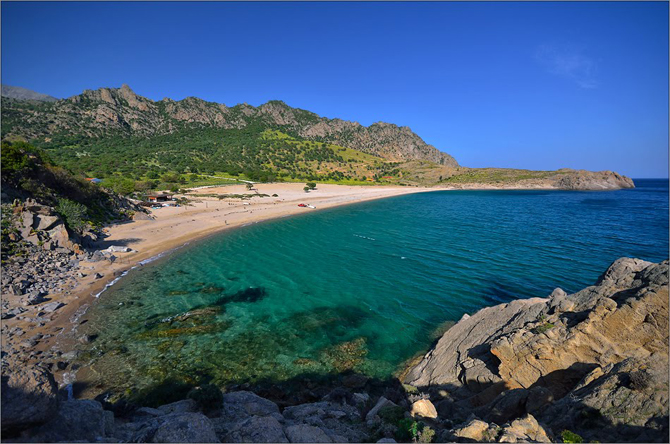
x: 539, y: 85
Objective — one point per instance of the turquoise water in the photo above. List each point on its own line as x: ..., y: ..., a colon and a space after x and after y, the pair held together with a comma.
x: 362, y: 287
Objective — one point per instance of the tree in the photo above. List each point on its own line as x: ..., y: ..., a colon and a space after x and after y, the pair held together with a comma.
x: 306, y: 189
x: 120, y: 185
x: 311, y: 185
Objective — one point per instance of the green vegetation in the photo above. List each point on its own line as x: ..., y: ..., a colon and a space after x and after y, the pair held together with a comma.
x: 408, y: 429
x: 190, y: 152
x: 543, y: 328
x: 29, y: 172
x: 260, y: 155
x: 73, y: 213
x: 392, y: 414
x: 568, y: 436
x: 495, y: 175
x: 10, y: 234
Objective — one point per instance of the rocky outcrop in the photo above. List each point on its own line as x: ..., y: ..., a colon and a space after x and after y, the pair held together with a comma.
x: 598, y: 357
x: 28, y: 398
x: 563, y: 179
x: 76, y: 420
x: 588, y: 180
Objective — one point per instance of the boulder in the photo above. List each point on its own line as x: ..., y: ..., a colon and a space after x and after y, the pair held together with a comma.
x: 525, y: 429
x: 242, y: 404
x: 474, y: 429
x: 186, y: 405
x: 51, y: 307
x: 256, y: 429
x: 60, y: 237
x: 46, y: 223
x: 424, y: 408
x: 381, y: 403
x: 27, y: 221
x: 77, y: 420
x: 29, y: 398
x: 177, y: 427
x: 306, y: 433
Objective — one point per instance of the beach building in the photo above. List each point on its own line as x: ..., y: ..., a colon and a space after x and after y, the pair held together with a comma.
x: 159, y: 197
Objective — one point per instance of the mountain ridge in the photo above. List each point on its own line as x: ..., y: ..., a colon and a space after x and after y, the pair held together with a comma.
x: 115, y: 132
x: 120, y: 109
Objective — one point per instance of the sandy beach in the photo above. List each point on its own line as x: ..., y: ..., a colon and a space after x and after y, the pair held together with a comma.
x: 172, y: 227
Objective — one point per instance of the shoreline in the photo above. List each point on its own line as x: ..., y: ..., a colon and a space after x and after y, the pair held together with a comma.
x: 176, y: 227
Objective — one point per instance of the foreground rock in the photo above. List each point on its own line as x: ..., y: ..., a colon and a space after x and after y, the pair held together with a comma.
x: 594, y: 362
x: 592, y: 365
x: 28, y: 399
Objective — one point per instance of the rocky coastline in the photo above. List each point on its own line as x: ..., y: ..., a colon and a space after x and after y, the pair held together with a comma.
x: 589, y: 366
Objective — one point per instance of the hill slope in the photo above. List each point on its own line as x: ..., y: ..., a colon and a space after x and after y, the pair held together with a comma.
x: 118, y: 119
x: 16, y: 92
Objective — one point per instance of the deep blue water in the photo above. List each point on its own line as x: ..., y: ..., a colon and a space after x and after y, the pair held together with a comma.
x: 360, y: 287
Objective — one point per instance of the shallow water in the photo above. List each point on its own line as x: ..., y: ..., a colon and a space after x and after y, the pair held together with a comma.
x: 362, y: 287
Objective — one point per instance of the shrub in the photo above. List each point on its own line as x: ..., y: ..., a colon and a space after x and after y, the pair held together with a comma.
x: 73, y: 213
x: 410, y: 430
x: 568, y: 436
x: 392, y: 414
x: 404, y: 431
x: 544, y: 327
x: 426, y: 435
x: 207, y: 396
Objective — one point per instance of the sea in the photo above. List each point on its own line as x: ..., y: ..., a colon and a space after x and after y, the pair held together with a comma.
x: 361, y: 288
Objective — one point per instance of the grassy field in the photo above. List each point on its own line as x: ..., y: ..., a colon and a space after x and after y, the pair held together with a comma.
x: 497, y: 175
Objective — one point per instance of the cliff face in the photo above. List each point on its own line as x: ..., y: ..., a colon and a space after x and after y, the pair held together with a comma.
x: 119, y: 111
x: 594, y: 362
